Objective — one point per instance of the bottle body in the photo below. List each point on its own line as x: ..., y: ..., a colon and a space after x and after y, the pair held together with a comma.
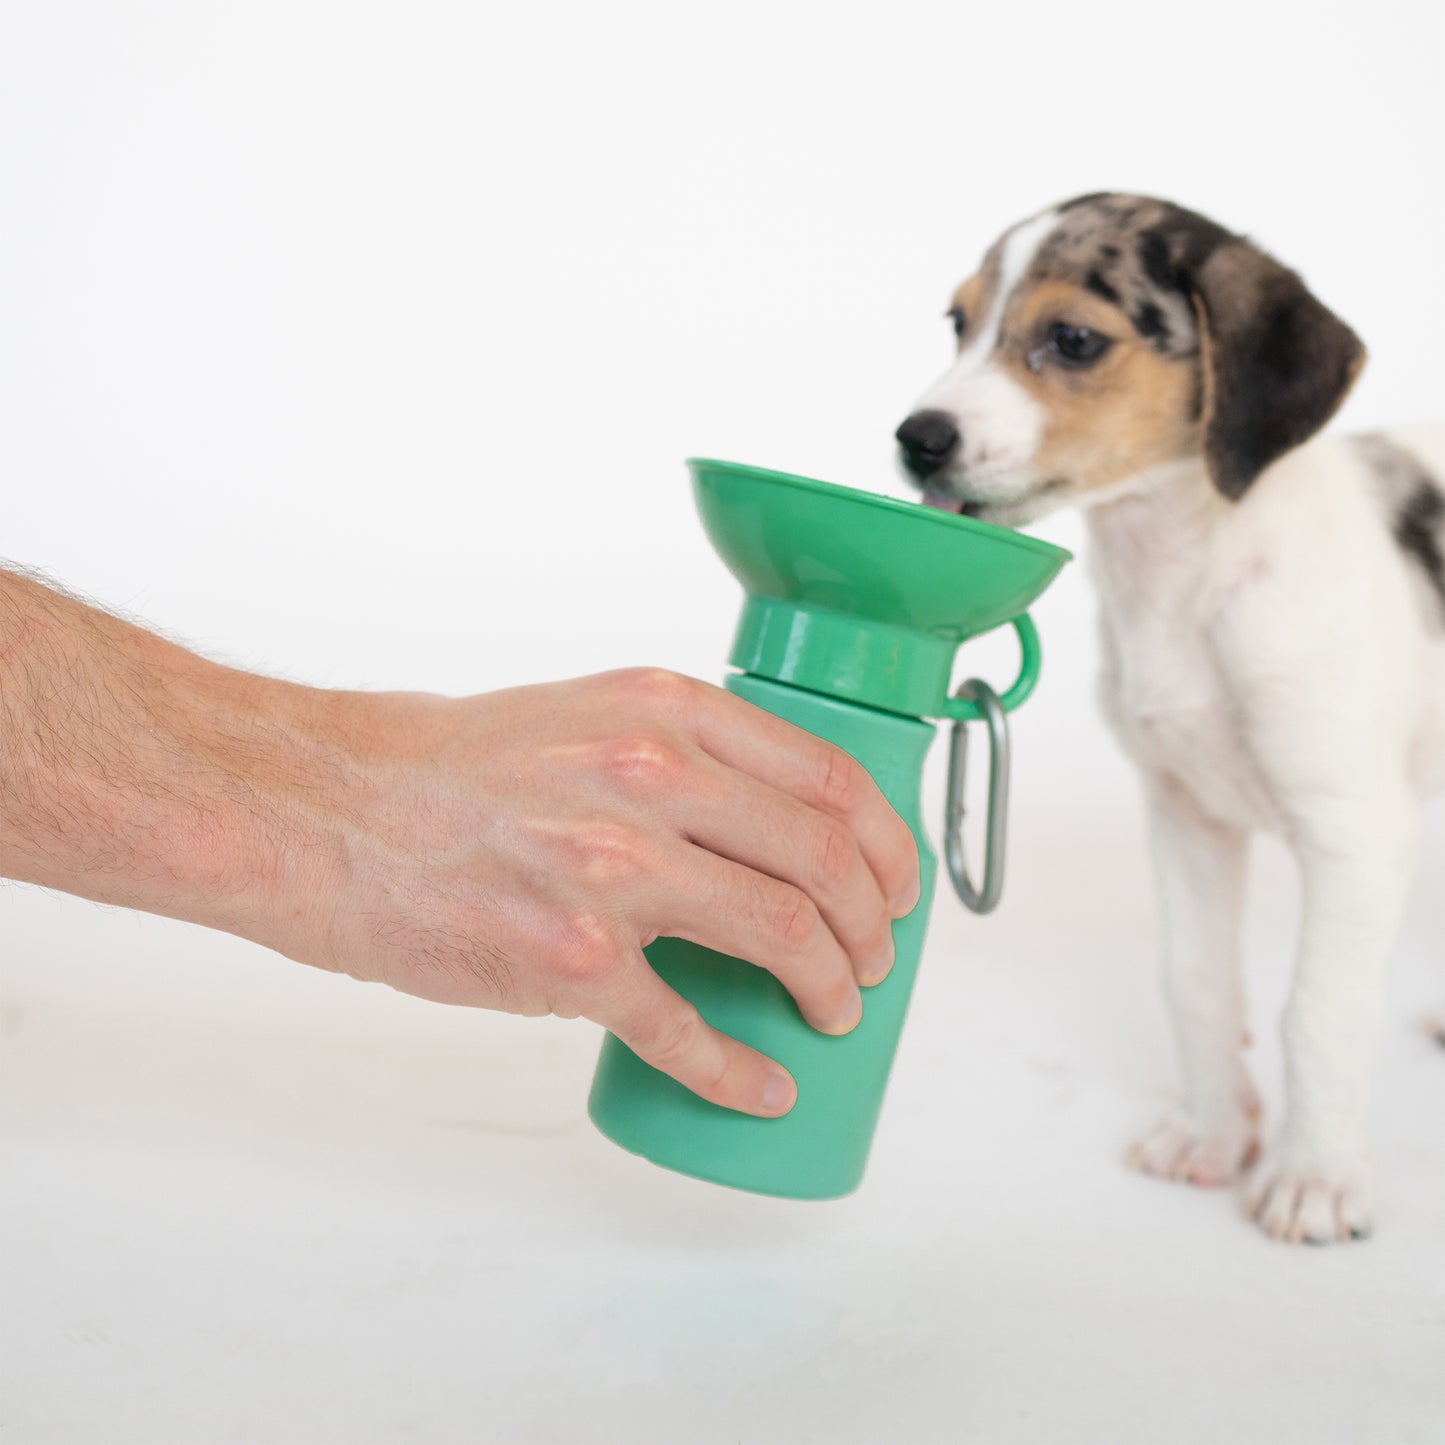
x: 819, y: 1149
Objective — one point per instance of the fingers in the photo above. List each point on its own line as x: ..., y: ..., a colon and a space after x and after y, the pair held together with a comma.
x: 816, y: 773
x: 666, y: 1031
x: 738, y: 911
x: 739, y: 818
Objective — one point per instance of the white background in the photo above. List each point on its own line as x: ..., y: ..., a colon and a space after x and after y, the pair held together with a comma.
x: 363, y: 344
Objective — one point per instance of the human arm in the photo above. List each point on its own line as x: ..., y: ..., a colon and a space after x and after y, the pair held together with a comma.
x: 514, y: 850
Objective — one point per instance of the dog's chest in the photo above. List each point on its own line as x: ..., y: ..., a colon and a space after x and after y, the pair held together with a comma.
x: 1171, y: 707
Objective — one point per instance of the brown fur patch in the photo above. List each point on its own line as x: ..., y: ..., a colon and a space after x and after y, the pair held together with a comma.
x: 1277, y: 362
x: 1218, y: 350
x: 972, y: 299
x: 976, y: 296
x: 1129, y: 411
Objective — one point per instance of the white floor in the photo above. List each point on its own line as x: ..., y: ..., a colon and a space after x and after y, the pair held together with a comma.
x: 246, y: 1202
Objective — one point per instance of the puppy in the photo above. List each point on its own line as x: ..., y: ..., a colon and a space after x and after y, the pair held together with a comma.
x: 1272, y: 607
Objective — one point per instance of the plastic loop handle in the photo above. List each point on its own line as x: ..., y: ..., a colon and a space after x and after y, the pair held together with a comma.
x: 966, y: 709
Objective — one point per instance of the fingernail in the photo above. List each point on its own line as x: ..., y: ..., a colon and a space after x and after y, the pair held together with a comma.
x: 780, y: 1093
x: 905, y: 903
x: 850, y: 1018
x: 881, y: 967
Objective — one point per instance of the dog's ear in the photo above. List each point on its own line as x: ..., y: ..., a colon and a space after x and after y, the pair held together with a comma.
x: 1276, y: 362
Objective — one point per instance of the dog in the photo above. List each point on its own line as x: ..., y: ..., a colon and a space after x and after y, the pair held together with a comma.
x: 1272, y: 612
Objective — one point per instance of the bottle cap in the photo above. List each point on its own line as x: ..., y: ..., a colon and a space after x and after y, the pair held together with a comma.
x: 861, y: 597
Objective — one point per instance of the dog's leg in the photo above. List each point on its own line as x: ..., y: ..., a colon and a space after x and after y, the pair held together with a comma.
x: 1201, y: 866
x: 1355, y: 857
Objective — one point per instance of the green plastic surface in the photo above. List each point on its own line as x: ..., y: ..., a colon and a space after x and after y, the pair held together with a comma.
x: 858, y: 596
x: 856, y: 605
x: 819, y: 1149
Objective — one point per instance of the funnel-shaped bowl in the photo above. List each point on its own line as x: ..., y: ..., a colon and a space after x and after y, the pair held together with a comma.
x: 859, y: 596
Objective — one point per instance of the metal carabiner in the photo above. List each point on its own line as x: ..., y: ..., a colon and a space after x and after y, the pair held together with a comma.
x: 982, y: 899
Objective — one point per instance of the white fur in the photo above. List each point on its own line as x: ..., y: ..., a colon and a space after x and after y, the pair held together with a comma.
x: 999, y: 423
x: 1269, y: 665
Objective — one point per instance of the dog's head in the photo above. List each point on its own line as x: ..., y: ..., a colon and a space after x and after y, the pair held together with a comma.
x: 1108, y: 336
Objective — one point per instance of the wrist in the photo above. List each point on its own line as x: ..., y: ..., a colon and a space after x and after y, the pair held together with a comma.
x: 300, y: 857
x: 134, y: 773
x: 268, y: 858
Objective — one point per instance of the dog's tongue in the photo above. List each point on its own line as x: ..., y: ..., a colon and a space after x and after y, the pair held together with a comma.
x: 934, y: 498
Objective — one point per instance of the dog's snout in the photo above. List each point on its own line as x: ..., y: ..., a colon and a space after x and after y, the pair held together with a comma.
x: 928, y: 439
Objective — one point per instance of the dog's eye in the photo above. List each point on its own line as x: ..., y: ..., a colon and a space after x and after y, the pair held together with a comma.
x: 1076, y: 345
x: 959, y: 317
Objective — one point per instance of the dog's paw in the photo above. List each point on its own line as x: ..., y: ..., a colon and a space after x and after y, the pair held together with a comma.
x: 1303, y: 1202
x: 1176, y: 1148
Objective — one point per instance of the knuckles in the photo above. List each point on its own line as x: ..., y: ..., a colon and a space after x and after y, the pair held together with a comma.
x: 834, y: 856
x: 604, y: 855
x: 842, y: 783
x: 658, y: 690
x: 584, y: 956
x: 676, y: 1039
x: 796, y: 921
x: 641, y: 762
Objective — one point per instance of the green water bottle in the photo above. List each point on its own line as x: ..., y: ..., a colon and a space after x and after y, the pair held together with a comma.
x: 855, y: 608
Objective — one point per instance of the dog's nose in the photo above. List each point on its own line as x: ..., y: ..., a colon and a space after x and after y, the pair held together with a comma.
x: 928, y: 439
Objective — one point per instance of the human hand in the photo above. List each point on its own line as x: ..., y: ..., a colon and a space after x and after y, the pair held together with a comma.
x: 519, y: 849
x: 516, y: 850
